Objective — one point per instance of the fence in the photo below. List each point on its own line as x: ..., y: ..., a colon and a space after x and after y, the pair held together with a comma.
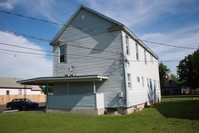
x: 35, y: 98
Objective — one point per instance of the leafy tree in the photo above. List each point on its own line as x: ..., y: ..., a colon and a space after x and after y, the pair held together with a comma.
x: 188, y: 70
x: 174, y: 78
x: 163, y: 73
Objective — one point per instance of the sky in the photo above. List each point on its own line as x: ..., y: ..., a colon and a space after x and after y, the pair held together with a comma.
x: 172, y: 22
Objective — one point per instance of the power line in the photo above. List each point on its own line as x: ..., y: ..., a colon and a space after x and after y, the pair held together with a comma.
x: 47, y: 40
x: 7, y: 44
x: 36, y: 19
x: 46, y: 21
x: 46, y: 51
x: 25, y: 35
x: 16, y: 51
x: 164, y: 44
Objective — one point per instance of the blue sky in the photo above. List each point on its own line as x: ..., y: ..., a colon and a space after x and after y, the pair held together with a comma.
x: 174, y: 22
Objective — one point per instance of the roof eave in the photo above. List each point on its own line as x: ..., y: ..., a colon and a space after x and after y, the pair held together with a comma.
x: 139, y: 41
x: 52, y: 80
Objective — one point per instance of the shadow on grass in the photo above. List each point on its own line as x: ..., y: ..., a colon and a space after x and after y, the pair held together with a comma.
x: 179, y: 108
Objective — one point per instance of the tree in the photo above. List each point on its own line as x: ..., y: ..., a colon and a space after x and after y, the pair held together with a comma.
x: 188, y: 70
x: 163, y: 73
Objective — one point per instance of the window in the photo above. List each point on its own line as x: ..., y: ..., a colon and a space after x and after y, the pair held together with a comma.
x: 137, y: 52
x: 143, y: 81
x: 138, y: 79
x: 145, y: 59
x: 62, y: 53
x: 127, y: 46
x: 7, y: 92
x: 148, y: 82
x: 20, y: 91
x: 129, y: 80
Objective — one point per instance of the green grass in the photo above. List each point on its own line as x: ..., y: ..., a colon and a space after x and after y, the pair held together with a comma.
x: 176, y: 115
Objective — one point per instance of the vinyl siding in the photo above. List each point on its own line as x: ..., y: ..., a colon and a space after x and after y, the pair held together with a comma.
x: 92, y: 50
x: 71, y: 101
x: 137, y: 68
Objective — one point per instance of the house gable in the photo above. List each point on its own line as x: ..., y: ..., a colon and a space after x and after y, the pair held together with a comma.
x: 88, y: 18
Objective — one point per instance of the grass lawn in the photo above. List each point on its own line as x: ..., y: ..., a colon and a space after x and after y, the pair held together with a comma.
x: 176, y: 115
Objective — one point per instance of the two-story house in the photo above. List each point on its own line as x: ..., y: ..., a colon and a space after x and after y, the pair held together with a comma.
x: 100, y: 66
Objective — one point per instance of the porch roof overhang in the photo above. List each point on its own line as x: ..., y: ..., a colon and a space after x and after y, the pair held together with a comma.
x: 61, y: 79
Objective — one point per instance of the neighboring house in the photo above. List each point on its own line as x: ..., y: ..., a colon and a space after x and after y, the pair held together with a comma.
x: 171, y: 88
x: 9, y: 86
x: 100, y: 65
x: 187, y: 90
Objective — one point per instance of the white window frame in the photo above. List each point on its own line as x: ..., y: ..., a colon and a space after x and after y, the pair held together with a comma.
x: 137, y: 51
x: 127, y: 45
x: 129, y: 83
x: 143, y: 81
x: 145, y: 57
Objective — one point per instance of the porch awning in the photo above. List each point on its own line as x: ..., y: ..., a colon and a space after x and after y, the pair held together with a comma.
x: 63, y: 79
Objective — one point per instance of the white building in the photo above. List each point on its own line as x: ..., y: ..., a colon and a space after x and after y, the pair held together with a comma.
x: 99, y: 66
x: 9, y: 86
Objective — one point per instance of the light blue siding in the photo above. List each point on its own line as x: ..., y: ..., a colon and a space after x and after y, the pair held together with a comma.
x: 93, y: 50
x: 71, y: 101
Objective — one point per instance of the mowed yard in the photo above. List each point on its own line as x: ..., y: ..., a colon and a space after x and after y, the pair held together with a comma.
x: 172, y: 115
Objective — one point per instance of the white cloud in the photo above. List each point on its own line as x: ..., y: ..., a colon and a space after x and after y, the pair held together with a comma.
x: 9, y: 4
x: 138, y: 12
x: 14, y: 64
x: 187, y: 37
x: 41, y: 8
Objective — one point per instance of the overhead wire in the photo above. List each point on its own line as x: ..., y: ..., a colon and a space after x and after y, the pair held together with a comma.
x: 56, y: 23
x: 83, y: 29
x: 28, y: 17
x: 164, y: 44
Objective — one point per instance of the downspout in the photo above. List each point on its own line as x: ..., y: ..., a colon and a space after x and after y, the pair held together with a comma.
x: 124, y: 71
x: 94, y: 91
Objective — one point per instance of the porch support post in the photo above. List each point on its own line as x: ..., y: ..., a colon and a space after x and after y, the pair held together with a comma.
x: 68, y: 88
x: 94, y: 87
x: 46, y: 97
x: 94, y: 91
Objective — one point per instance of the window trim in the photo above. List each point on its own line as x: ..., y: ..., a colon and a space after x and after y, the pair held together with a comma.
x: 129, y: 82
x: 127, y: 45
x: 145, y: 57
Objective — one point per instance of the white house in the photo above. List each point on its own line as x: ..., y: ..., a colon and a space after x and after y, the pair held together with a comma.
x: 100, y: 65
x: 9, y: 86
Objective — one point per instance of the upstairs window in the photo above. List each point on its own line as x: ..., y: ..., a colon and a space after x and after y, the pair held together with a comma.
x: 137, y: 51
x: 62, y: 53
x: 145, y: 59
x: 127, y: 45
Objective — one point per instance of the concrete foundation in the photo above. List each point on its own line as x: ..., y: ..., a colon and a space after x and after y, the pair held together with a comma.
x: 77, y: 111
